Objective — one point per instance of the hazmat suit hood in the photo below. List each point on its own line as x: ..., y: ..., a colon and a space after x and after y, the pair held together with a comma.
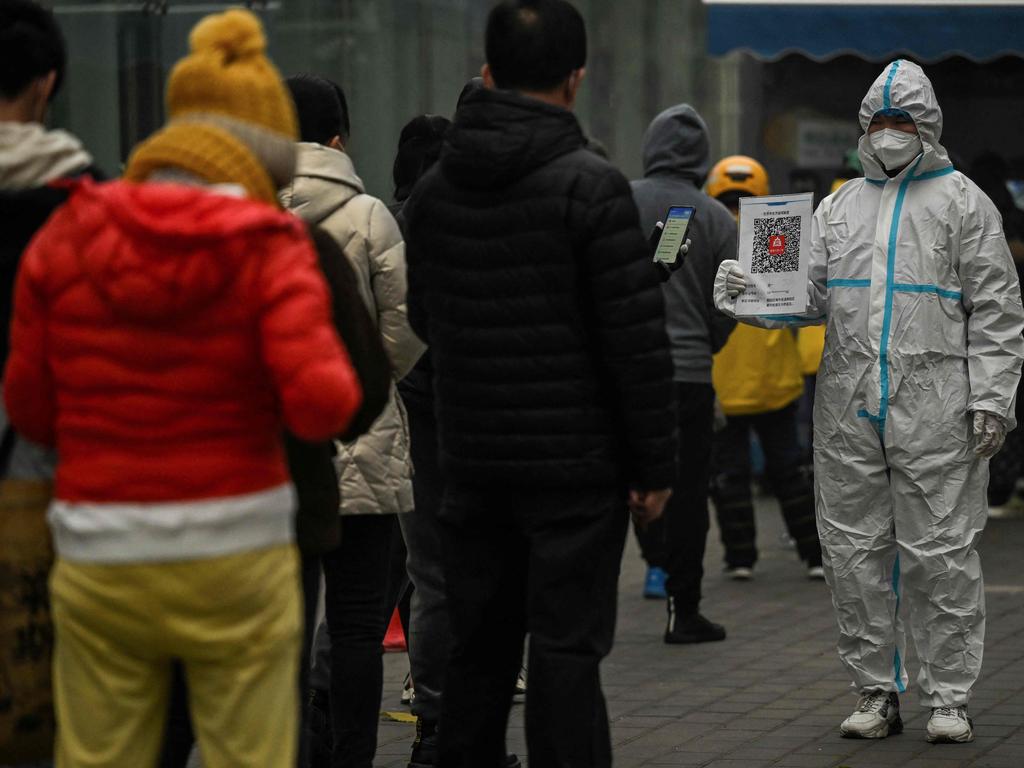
x: 904, y: 85
x: 676, y: 144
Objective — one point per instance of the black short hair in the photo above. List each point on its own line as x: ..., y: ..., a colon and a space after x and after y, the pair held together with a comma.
x: 321, y: 106
x: 31, y: 46
x: 419, y: 147
x: 534, y: 44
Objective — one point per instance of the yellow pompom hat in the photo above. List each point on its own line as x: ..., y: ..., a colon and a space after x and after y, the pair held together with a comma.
x: 232, y: 119
x: 228, y: 73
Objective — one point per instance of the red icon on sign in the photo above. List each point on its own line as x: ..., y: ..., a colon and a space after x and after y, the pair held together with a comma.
x: 776, y: 245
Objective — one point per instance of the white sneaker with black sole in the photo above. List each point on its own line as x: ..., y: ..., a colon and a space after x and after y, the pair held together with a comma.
x: 950, y: 725
x: 877, y: 715
x: 739, y: 573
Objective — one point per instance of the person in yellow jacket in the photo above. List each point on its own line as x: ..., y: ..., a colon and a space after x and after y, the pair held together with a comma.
x: 758, y: 378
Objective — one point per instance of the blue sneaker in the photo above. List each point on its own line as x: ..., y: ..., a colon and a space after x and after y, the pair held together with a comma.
x: 654, y: 584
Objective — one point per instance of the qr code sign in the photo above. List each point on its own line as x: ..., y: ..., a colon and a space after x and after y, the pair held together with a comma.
x: 776, y: 245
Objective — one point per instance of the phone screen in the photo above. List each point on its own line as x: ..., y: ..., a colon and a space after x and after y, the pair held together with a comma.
x: 674, y: 235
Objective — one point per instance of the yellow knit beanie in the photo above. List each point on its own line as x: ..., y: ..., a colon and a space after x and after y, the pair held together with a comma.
x: 232, y: 119
x: 228, y: 73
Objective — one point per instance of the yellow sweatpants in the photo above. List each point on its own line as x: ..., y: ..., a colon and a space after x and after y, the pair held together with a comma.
x: 234, y: 622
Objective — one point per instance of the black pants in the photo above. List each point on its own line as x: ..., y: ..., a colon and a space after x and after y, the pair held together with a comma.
x: 677, y: 540
x: 428, y: 631
x: 543, y: 563
x: 785, y: 475
x: 358, y: 607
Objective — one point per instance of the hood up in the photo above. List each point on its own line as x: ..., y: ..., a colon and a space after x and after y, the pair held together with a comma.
x: 156, y: 251
x: 676, y: 143
x: 31, y: 156
x: 499, y: 137
x: 325, y: 180
x: 904, y: 85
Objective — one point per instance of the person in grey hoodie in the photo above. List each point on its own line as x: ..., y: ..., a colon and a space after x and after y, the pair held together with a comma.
x: 677, y: 158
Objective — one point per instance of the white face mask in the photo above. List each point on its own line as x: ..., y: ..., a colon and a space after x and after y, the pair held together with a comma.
x: 895, y: 149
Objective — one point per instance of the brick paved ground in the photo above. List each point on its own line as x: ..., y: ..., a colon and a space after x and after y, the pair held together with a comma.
x: 773, y: 694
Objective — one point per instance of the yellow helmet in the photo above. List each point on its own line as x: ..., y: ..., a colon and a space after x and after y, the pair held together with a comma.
x: 738, y: 173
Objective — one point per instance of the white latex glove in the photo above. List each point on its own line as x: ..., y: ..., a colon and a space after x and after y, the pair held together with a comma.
x: 991, y: 433
x: 730, y: 282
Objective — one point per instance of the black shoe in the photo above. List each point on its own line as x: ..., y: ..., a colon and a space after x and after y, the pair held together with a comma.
x: 424, y: 748
x: 691, y: 628
x: 320, y: 736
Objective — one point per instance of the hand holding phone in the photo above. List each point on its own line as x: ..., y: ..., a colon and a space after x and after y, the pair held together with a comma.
x: 673, y: 235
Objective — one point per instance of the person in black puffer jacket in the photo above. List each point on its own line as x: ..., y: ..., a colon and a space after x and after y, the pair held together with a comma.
x: 530, y: 279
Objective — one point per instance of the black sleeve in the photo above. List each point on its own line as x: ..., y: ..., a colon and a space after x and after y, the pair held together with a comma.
x: 357, y: 330
x: 415, y: 266
x: 631, y: 342
x: 311, y: 466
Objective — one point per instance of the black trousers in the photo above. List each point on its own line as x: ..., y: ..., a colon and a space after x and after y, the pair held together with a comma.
x: 786, y: 477
x: 543, y: 563
x: 358, y: 602
x: 676, y: 542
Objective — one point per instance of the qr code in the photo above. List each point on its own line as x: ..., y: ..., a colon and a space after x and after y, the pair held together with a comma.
x: 776, y: 245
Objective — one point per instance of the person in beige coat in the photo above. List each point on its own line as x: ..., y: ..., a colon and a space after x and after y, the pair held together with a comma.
x: 374, y: 470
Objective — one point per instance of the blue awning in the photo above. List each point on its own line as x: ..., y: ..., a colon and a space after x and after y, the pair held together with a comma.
x: 927, y: 31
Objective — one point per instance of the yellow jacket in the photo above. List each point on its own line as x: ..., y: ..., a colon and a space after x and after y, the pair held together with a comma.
x: 757, y: 371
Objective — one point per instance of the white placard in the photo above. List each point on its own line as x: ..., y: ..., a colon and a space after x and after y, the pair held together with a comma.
x: 775, y: 241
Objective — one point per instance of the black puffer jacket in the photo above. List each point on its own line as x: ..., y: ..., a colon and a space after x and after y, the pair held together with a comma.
x: 532, y: 283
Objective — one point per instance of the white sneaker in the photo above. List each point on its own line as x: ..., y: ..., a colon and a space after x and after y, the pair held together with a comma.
x: 408, y: 691
x: 877, y: 715
x: 950, y: 725
x: 740, y: 573
x: 520, y: 691
x: 816, y: 573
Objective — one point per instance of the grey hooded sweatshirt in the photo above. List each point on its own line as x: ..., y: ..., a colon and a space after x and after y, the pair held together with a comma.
x: 677, y: 158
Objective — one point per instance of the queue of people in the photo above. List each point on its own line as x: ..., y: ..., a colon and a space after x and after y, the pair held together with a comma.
x: 249, y: 380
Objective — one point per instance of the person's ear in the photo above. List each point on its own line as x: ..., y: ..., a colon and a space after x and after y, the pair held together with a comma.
x: 49, y: 84
x: 42, y: 92
x: 336, y: 143
x: 572, y: 85
x: 488, y: 78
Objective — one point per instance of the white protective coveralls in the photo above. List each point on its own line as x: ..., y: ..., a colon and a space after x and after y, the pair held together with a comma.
x: 914, y: 280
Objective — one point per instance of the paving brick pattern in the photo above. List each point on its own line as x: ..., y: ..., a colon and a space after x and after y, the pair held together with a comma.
x: 774, y: 693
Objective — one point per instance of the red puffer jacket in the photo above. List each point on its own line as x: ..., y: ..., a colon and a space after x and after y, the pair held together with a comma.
x: 163, y: 337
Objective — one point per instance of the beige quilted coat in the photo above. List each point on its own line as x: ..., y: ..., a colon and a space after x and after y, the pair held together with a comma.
x: 375, y: 469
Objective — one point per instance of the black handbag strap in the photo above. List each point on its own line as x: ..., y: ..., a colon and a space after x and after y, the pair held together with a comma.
x: 6, y: 449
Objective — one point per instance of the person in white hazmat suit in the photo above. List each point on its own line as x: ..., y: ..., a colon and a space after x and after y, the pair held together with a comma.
x: 911, y: 275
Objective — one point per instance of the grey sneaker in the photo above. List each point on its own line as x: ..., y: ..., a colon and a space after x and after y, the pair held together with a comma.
x: 950, y: 725
x: 877, y: 715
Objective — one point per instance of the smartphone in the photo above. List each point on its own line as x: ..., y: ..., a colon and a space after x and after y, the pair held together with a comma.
x: 677, y: 222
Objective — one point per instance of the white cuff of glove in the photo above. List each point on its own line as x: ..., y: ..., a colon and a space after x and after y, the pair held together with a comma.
x: 990, y: 432
x: 730, y: 282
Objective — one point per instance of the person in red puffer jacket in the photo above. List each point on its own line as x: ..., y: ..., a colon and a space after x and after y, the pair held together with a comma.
x: 164, y: 335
